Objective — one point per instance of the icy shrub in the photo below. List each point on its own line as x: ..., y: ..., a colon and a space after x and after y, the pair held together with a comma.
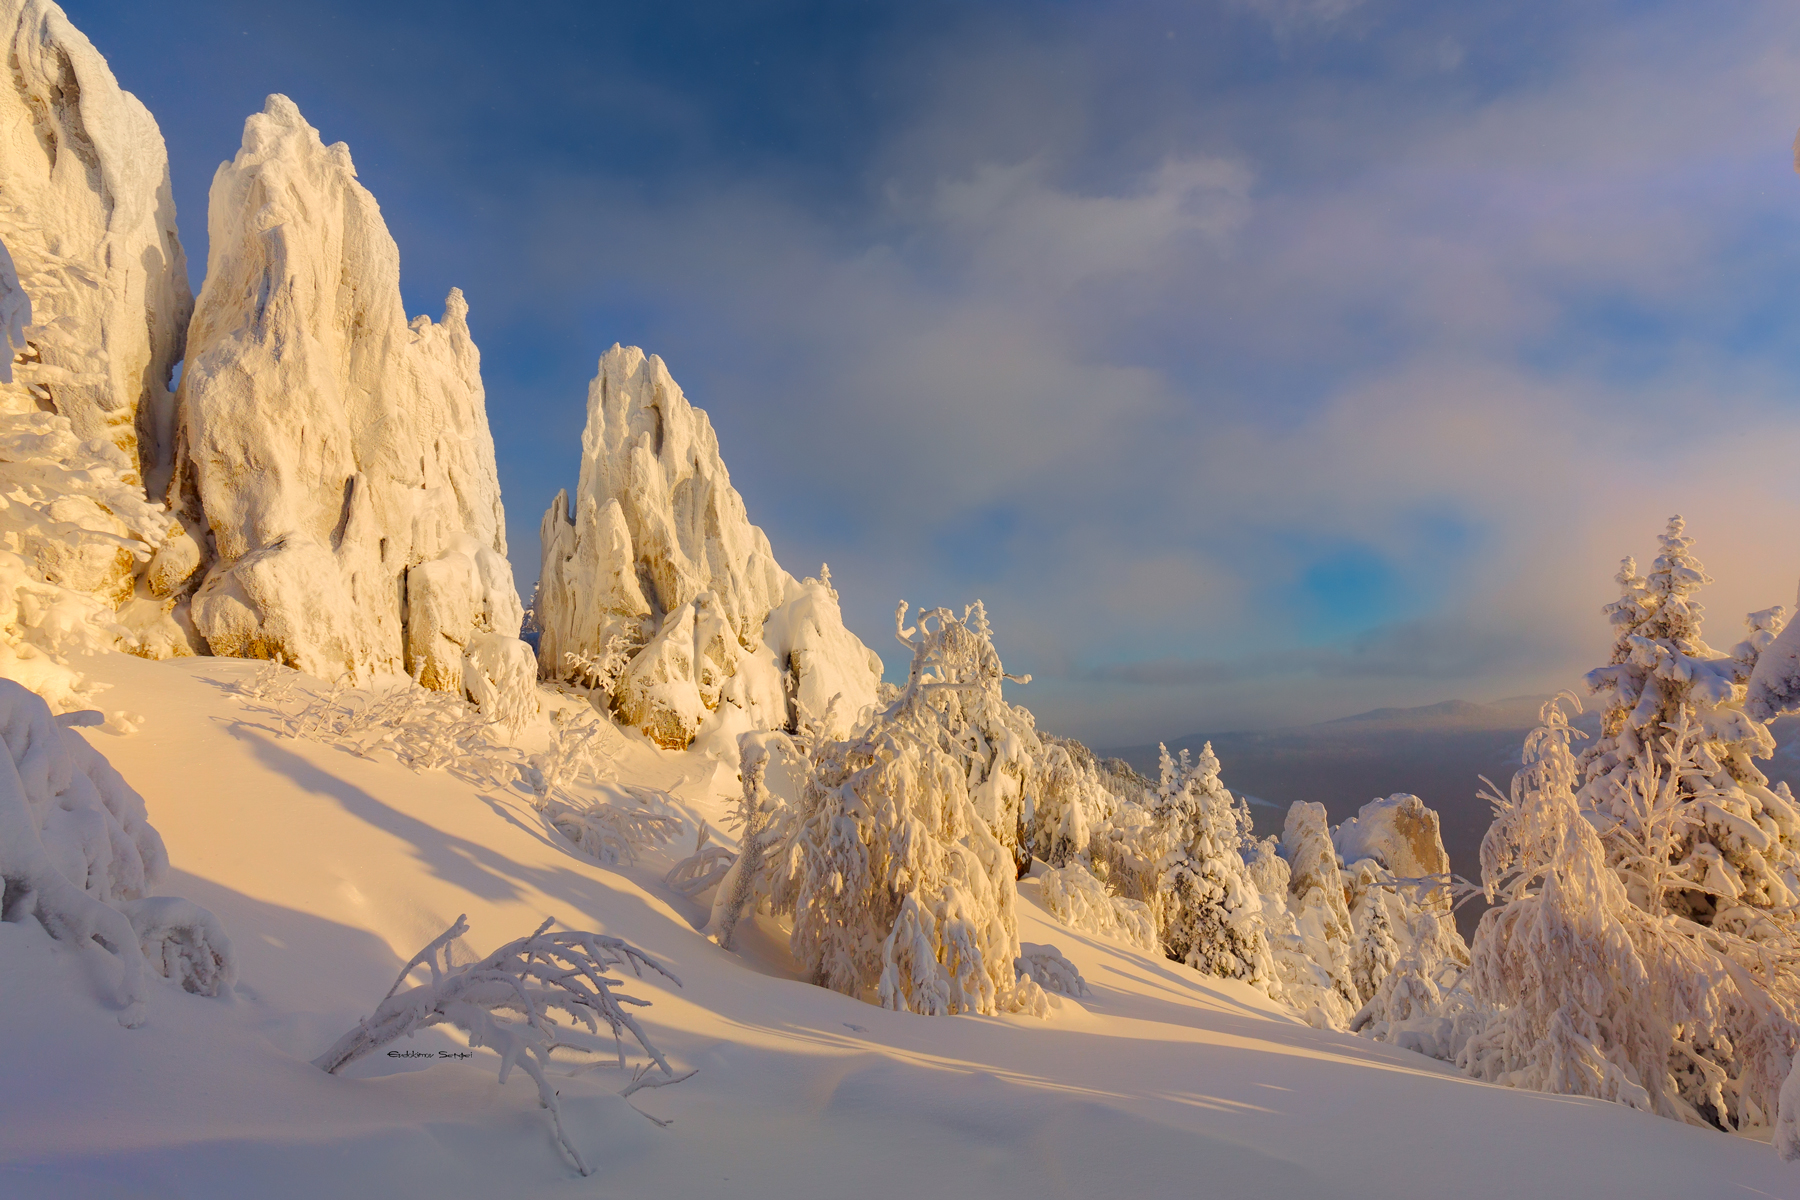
x: 901, y: 889
x: 1047, y: 967
x: 704, y: 869
x: 1081, y: 902
x: 528, y: 977
x: 78, y: 854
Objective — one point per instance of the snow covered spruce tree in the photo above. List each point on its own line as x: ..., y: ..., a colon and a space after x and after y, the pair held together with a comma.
x: 1736, y: 861
x: 1593, y: 986
x: 1208, y: 910
x: 900, y: 885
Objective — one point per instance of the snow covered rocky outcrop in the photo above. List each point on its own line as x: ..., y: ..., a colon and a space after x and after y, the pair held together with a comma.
x: 94, y: 302
x: 336, y: 456
x: 75, y: 533
x: 87, y: 213
x: 656, y: 586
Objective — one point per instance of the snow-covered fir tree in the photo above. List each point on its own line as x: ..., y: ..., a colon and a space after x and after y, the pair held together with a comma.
x: 1736, y: 861
x: 1594, y: 987
x: 1208, y: 909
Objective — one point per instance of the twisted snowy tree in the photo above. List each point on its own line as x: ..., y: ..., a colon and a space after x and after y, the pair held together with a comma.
x: 900, y: 886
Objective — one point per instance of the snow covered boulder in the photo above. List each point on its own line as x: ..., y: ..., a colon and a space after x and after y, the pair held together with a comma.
x: 78, y: 854
x: 656, y: 560
x: 90, y: 220
x: 1399, y: 833
x: 339, y: 454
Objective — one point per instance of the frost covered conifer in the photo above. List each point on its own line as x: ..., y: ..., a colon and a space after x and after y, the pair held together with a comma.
x: 1209, y: 913
x: 901, y: 889
x: 1736, y: 863
x: 1595, y: 986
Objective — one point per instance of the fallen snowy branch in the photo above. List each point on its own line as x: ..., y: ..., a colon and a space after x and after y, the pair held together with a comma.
x: 702, y: 870
x: 529, y: 977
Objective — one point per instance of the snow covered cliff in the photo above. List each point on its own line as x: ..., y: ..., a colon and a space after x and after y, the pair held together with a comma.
x: 656, y: 585
x: 87, y: 213
x: 338, y: 455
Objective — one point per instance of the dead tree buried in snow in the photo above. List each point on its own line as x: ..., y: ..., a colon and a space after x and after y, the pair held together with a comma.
x: 529, y: 977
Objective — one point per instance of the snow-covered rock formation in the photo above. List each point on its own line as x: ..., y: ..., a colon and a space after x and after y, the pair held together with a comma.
x: 87, y: 212
x: 338, y: 456
x: 75, y: 532
x: 657, y: 568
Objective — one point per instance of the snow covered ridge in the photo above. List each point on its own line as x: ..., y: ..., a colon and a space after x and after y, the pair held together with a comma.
x: 337, y: 456
x: 87, y: 213
x: 656, y: 588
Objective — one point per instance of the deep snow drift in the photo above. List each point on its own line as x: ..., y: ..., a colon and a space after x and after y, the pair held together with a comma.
x: 329, y: 871
x: 657, y: 587
x: 337, y: 455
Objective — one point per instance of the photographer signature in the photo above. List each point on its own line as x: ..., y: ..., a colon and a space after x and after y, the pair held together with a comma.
x: 429, y: 1054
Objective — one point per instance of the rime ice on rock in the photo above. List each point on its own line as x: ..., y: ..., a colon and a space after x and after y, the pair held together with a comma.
x: 86, y: 210
x: 339, y: 454
x: 658, y: 553
x: 74, y: 529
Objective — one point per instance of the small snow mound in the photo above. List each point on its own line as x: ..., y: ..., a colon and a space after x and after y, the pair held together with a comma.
x: 78, y: 853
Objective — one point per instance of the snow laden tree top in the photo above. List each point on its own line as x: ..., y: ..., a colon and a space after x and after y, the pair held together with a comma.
x: 1738, y: 861
x: 901, y: 887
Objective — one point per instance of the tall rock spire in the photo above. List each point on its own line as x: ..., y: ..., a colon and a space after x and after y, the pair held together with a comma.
x: 338, y: 454
x: 87, y: 213
x: 658, y: 587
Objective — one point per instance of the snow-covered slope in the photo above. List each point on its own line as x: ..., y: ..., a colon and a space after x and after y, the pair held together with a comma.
x: 657, y: 552
x: 87, y: 212
x: 338, y: 455
x: 330, y: 870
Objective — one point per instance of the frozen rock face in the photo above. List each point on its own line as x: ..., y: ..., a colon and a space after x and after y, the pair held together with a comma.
x: 75, y: 529
x: 1399, y: 833
x: 658, y: 573
x: 338, y: 456
x: 86, y: 210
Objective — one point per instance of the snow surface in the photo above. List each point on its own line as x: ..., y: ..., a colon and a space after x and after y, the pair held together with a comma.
x: 89, y: 219
x: 658, y: 561
x: 339, y: 455
x: 329, y: 871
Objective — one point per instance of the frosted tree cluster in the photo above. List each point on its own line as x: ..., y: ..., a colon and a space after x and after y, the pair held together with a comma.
x: 78, y: 856
x: 1596, y: 983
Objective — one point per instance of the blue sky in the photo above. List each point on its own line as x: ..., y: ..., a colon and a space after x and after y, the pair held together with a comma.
x: 1256, y: 362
